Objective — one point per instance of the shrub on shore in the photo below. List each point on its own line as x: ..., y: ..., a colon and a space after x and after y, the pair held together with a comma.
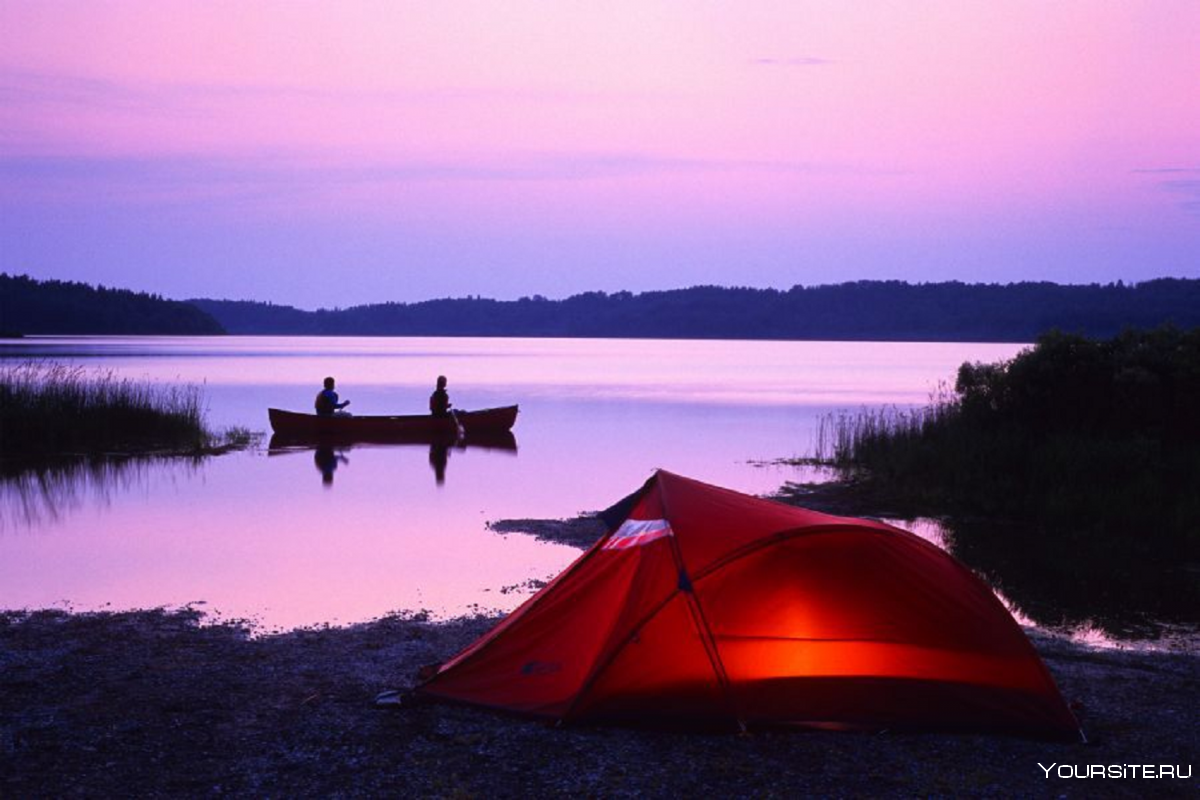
x: 1096, y: 440
x: 48, y: 409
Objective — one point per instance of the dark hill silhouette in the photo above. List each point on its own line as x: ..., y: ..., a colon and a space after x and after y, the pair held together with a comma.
x: 45, y: 307
x: 858, y: 311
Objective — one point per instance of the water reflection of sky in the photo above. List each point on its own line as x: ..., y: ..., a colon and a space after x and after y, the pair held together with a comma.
x: 283, y: 538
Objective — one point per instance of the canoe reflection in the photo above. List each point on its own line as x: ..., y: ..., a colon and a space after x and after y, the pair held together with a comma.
x: 331, y: 452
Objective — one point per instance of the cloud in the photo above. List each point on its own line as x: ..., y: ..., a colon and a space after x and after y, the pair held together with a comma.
x: 1167, y: 171
x: 44, y: 89
x: 795, y: 61
x: 1190, y: 189
x: 138, y: 181
x: 24, y: 88
x: 558, y: 166
x: 1186, y: 186
x: 186, y: 179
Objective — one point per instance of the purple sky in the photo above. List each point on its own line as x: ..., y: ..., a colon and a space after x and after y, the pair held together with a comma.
x: 323, y: 154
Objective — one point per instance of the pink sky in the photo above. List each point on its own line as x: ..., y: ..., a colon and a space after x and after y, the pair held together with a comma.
x: 332, y: 154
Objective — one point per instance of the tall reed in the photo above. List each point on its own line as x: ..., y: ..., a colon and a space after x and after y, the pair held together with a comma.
x: 1096, y: 441
x: 843, y: 437
x: 50, y: 408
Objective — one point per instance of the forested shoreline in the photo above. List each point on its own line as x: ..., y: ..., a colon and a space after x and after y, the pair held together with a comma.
x: 856, y: 311
x: 859, y: 311
x: 30, y: 306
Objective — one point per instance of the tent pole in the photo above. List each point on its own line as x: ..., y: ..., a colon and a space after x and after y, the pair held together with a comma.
x: 701, y: 622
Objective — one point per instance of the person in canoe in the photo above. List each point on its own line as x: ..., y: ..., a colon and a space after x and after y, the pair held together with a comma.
x: 439, y: 401
x: 327, y: 404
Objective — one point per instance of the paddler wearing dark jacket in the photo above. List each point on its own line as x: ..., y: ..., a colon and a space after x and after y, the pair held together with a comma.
x: 439, y: 401
x: 327, y: 403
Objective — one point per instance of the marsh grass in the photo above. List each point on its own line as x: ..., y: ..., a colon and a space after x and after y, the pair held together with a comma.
x: 1070, y: 475
x: 53, y: 409
x: 1094, y: 442
x: 843, y: 436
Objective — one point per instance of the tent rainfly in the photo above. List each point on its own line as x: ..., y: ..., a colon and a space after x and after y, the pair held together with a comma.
x: 705, y: 606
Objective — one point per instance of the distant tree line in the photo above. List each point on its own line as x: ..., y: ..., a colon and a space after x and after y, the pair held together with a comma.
x: 29, y: 306
x: 862, y: 311
x: 858, y: 311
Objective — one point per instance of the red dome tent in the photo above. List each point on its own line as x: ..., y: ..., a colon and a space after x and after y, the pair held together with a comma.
x: 703, y: 605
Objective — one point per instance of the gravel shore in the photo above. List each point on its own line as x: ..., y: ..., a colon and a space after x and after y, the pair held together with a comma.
x: 164, y: 703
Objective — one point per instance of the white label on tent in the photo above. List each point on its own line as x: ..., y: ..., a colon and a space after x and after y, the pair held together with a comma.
x: 637, y: 532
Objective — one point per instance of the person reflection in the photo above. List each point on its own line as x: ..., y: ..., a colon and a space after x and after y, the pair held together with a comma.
x: 439, y: 454
x: 327, y: 460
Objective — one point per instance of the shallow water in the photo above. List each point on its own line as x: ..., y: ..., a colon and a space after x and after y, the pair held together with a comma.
x: 304, y: 537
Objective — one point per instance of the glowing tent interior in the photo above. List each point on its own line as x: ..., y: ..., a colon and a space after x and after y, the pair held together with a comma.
x: 702, y: 605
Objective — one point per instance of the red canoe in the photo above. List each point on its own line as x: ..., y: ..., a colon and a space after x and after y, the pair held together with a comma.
x: 412, y: 426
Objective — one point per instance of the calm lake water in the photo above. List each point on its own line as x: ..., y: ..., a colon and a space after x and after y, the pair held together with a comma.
x: 305, y: 538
